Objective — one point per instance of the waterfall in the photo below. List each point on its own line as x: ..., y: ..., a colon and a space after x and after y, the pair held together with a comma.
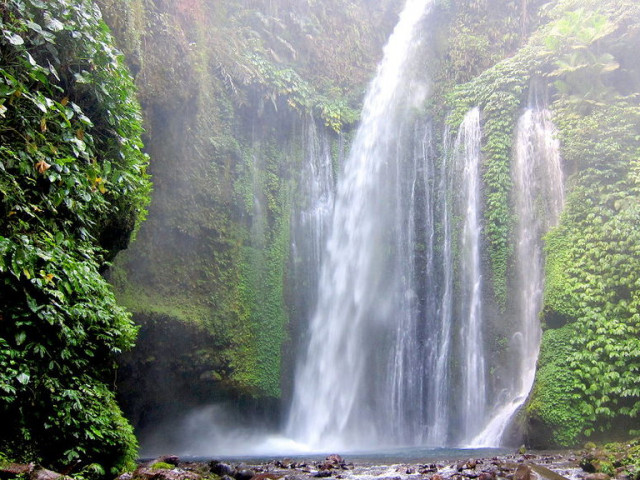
x: 471, y: 354
x: 311, y: 221
x: 394, y: 353
x: 438, y: 392
x: 538, y: 197
x: 357, y: 385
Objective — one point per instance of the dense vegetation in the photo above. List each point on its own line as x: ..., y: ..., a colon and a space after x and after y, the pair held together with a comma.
x: 73, y: 187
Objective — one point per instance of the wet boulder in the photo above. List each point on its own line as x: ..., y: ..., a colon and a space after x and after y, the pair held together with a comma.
x: 597, y: 476
x: 244, y: 474
x: 221, y: 469
x: 11, y: 470
x: 146, y: 473
x: 44, y: 474
x: 168, y: 459
x: 523, y: 472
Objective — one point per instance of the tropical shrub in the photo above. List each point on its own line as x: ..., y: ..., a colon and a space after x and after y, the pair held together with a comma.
x: 73, y: 187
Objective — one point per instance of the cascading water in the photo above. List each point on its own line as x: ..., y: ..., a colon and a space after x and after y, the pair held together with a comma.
x: 395, y: 353
x: 363, y: 367
x: 312, y: 220
x: 438, y: 391
x: 472, y: 355
x: 538, y: 194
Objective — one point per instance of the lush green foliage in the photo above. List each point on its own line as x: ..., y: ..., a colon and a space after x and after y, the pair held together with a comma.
x: 592, y: 288
x: 593, y: 270
x: 73, y: 187
x: 498, y: 92
x: 614, y: 458
x: 284, y: 83
x: 554, y: 399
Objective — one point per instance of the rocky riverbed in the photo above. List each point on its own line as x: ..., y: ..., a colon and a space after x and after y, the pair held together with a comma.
x: 527, y: 466
x: 619, y: 463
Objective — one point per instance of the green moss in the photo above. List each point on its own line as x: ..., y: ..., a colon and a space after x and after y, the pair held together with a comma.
x: 499, y: 94
x: 256, y: 356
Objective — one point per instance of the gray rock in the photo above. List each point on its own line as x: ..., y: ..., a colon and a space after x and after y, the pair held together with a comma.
x: 244, y: 474
x: 221, y: 469
x: 597, y: 476
x: 523, y: 472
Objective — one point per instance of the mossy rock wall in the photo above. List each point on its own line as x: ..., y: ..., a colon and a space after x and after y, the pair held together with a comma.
x: 228, y: 89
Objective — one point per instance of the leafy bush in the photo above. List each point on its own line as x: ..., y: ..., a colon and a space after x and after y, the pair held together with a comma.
x: 73, y: 187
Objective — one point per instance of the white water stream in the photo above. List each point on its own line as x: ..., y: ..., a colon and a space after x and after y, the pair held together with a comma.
x: 472, y: 357
x: 362, y: 338
x: 539, y: 197
x: 395, y: 351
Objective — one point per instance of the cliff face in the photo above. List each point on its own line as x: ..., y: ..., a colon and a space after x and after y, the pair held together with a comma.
x: 580, y: 56
x: 237, y: 94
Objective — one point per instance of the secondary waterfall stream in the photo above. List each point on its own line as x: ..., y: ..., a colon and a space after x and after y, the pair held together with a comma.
x: 472, y: 358
x: 538, y: 196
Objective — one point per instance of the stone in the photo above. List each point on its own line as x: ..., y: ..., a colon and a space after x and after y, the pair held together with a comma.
x: 221, y: 469
x: 523, y: 472
x: 322, y: 473
x: 44, y: 474
x: 11, y: 470
x: 487, y: 475
x: 164, y: 474
x: 244, y: 474
x: 170, y: 459
x: 597, y: 476
x: 265, y: 476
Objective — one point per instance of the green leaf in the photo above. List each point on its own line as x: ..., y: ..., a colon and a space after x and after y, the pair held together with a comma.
x: 23, y: 378
x: 14, y: 38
